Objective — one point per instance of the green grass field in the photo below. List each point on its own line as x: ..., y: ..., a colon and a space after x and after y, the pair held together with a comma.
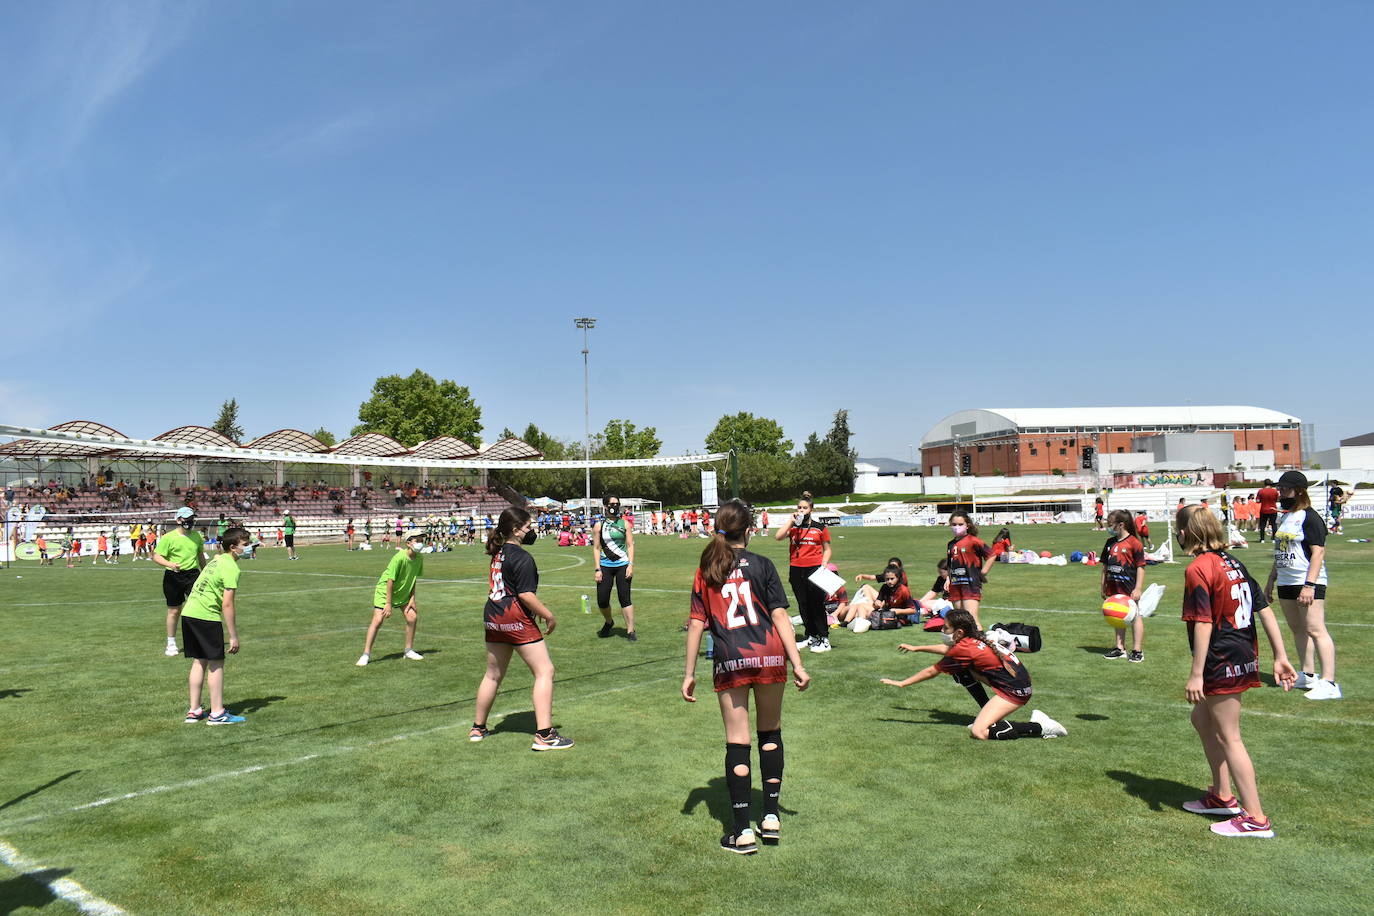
x: 355, y: 790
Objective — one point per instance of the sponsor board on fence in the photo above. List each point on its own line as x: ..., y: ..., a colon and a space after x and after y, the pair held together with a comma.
x: 851, y: 521
x: 1358, y: 512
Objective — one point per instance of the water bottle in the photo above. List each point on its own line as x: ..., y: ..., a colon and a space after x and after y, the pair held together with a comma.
x: 710, y: 645
x: 585, y: 609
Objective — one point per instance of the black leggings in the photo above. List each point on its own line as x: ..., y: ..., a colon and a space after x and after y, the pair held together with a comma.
x: 1270, y: 519
x: 810, y: 602
x: 617, y: 575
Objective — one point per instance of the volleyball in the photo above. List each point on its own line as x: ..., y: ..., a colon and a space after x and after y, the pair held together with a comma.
x: 1119, y: 610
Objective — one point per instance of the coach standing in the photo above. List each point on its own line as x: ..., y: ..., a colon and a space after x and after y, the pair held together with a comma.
x: 808, y: 548
x: 288, y: 525
x: 181, y: 552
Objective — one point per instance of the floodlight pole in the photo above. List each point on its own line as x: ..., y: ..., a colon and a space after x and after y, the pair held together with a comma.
x: 586, y: 324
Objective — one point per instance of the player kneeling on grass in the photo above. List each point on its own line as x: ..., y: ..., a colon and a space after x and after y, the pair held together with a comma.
x: 397, y: 586
x: 208, y: 611
x: 974, y: 660
x: 738, y: 595
x: 1220, y: 601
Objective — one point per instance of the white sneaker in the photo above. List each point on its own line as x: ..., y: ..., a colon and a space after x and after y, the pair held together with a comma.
x: 413, y: 655
x: 171, y: 651
x: 804, y: 642
x: 363, y: 660
x: 1048, y: 727
x: 820, y: 645
x: 1324, y: 690
x: 1306, y: 681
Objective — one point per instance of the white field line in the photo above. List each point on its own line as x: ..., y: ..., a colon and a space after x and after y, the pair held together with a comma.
x: 62, y: 888
x: 331, y: 752
x: 1359, y: 723
x: 291, y: 591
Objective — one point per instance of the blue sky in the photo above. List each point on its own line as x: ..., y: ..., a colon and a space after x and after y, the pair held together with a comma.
x: 898, y: 208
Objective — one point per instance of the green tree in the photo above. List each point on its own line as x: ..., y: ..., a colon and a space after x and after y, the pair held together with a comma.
x: 748, y: 435
x: 621, y: 439
x: 228, y: 423
x: 415, y: 408
x: 827, y: 465
x: 325, y: 436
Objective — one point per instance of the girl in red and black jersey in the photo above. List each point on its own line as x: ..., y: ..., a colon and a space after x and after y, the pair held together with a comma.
x: 808, y: 549
x: 974, y: 662
x: 739, y: 597
x: 1220, y: 602
x: 509, y: 621
x: 1123, y: 573
x: 1142, y: 529
x: 1000, y: 545
x: 967, y: 554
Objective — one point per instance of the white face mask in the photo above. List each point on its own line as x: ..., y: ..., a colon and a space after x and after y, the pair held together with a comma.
x: 947, y: 638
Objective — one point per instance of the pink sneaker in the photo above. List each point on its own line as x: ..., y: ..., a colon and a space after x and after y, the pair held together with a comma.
x: 1244, y: 825
x: 1211, y: 803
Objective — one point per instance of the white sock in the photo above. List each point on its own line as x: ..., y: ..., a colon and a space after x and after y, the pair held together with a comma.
x: 171, y: 640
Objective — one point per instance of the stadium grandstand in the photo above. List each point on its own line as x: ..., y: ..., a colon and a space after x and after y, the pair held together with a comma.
x: 1026, y: 441
x: 91, y: 477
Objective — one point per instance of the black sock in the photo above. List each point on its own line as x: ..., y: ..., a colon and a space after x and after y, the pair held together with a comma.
x: 974, y: 688
x: 1002, y: 730
x: 544, y: 732
x: 770, y: 767
x: 737, y: 755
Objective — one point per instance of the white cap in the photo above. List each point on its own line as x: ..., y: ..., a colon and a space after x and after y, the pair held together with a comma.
x: 186, y: 512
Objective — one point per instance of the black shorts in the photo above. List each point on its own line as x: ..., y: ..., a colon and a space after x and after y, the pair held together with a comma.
x: 290, y: 540
x: 177, y: 585
x: 1291, y: 592
x: 202, y: 639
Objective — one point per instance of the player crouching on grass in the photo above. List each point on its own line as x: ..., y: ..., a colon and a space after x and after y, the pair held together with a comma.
x: 207, y: 612
x: 397, y: 586
x: 974, y: 660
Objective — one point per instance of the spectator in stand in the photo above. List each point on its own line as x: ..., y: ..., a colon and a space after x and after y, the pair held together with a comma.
x: 1268, y: 499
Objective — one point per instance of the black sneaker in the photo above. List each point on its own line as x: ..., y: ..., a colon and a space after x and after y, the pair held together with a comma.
x: 1136, y: 657
x: 605, y: 630
x: 1115, y: 653
x: 743, y: 844
x: 631, y: 636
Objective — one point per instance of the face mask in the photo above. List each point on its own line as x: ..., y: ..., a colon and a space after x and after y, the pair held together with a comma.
x: 959, y: 530
x: 947, y: 638
x: 613, y: 511
x: 1288, y: 504
x: 186, y: 522
x: 530, y: 537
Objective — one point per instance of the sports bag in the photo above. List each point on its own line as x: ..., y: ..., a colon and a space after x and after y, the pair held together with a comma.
x: 1027, y: 636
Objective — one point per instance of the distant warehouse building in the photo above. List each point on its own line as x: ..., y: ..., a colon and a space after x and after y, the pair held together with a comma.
x: 1041, y: 440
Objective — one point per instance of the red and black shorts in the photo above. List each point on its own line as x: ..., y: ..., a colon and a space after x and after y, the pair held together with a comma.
x: 966, y: 593
x: 203, y: 639
x: 519, y: 631
x: 177, y: 585
x: 1224, y: 675
x: 725, y: 680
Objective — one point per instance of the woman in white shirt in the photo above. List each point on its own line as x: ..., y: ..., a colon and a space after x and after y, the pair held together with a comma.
x: 1300, y: 574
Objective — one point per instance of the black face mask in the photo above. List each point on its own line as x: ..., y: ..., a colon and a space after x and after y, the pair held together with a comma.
x: 530, y: 537
x: 613, y: 511
x: 1288, y: 503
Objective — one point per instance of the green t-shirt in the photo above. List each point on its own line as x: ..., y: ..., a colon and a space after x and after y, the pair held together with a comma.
x: 223, y: 527
x: 182, y: 547
x: 207, y: 597
x: 289, y: 525
x: 404, y: 571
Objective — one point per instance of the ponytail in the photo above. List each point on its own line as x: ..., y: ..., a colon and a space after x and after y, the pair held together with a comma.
x: 511, y: 518
x: 960, y: 619
x: 1125, y: 519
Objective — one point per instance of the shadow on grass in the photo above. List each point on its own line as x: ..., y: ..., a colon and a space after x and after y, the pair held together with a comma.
x: 13, y: 692
x: 247, y: 707
x: 715, y: 795
x: 32, y: 792
x: 29, y: 890
x: 522, y: 722
x: 395, y: 656
x: 1157, y: 793
x: 1098, y: 650
x: 1091, y: 717
x: 937, y: 717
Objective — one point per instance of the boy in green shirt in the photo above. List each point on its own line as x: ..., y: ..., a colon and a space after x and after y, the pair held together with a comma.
x: 288, y: 527
x: 208, y: 611
x: 181, y: 553
x: 397, y: 586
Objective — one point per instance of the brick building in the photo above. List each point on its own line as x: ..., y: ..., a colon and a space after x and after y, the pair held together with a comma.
x: 1040, y: 440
